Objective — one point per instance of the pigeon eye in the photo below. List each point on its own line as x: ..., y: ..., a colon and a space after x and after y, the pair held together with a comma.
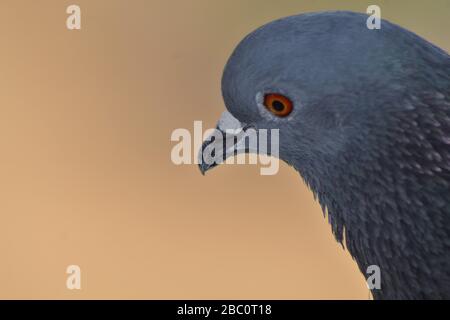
x: 278, y: 104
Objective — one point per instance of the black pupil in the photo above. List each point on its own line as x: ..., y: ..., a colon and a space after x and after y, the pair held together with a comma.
x: 278, y: 105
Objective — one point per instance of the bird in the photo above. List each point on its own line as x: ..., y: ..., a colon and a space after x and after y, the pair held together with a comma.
x: 363, y: 116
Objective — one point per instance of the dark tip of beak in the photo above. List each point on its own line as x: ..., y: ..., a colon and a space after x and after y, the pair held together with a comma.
x: 203, y: 166
x: 206, y: 167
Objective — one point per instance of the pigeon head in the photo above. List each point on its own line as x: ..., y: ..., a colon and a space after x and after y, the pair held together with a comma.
x: 329, y: 70
x: 364, y: 116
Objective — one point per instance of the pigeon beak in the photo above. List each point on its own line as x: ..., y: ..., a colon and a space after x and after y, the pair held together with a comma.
x: 202, y: 165
x: 227, y: 139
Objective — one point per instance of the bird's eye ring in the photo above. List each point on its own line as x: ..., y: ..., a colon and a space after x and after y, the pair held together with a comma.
x: 278, y: 104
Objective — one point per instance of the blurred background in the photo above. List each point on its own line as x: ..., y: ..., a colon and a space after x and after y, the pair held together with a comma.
x: 86, y: 176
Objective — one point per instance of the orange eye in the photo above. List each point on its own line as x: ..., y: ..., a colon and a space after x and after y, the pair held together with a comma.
x: 278, y: 104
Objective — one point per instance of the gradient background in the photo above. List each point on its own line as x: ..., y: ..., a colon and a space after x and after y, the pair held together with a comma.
x: 86, y: 176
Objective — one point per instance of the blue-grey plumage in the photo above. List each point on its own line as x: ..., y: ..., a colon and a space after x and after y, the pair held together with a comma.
x: 369, y: 133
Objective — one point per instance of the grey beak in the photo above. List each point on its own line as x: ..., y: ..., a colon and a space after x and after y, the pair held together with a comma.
x: 202, y: 165
x: 228, y: 139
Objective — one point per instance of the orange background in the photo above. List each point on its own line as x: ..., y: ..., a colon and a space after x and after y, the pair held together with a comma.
x: 86, y: 176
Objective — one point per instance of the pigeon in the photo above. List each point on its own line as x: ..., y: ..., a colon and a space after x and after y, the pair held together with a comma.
x: 364, y: 117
